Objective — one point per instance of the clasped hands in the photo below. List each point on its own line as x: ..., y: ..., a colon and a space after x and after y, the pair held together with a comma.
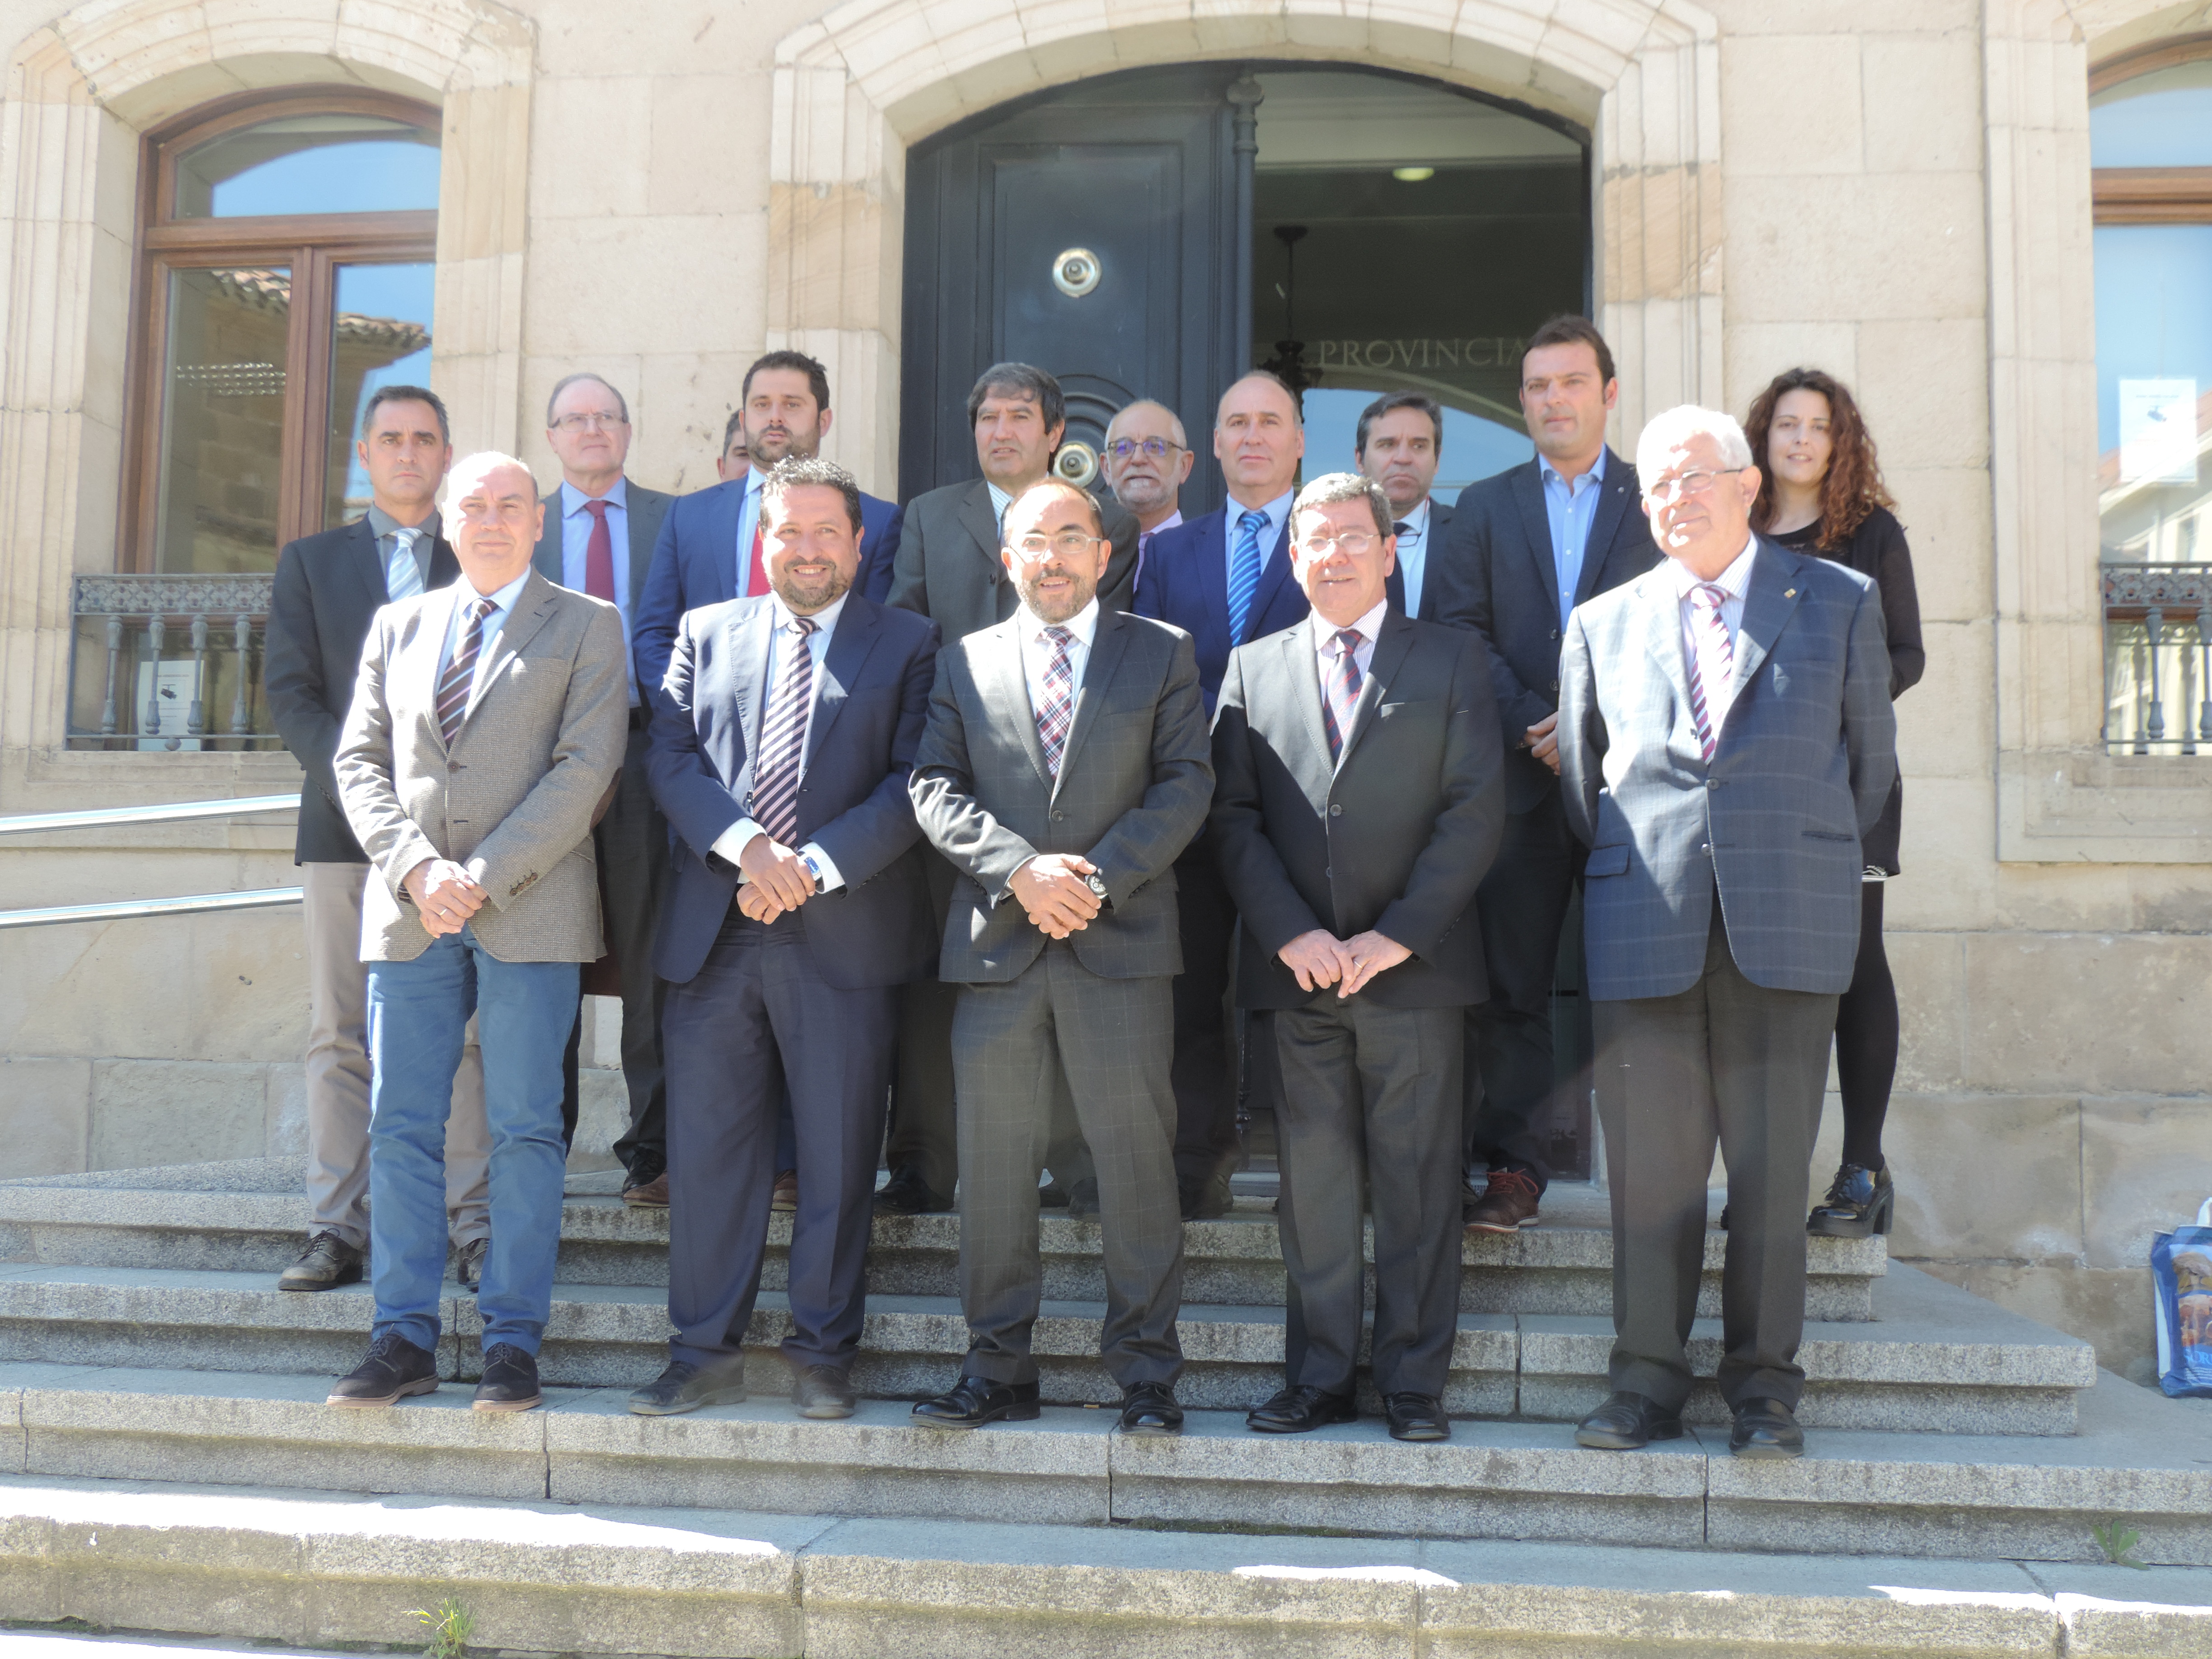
x: 1320, y: 959
x: 1052, y: 889
x: 776, y: 878
x: 445, y: 895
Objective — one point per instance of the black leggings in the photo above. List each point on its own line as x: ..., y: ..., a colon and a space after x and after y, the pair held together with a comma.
x: 1866, y: 1037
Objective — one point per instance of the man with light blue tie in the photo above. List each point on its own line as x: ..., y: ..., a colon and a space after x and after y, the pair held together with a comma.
x: 598, y: 539
x: 1399, y: 443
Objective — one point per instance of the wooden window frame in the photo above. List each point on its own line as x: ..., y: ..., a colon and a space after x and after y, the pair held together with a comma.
x: 311, y: 246
x: 2151, y: 196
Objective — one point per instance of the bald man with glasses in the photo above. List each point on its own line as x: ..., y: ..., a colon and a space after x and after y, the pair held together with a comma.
x: 1148, y: 461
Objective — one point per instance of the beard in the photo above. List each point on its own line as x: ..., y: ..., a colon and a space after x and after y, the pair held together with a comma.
x: 1044, y: 608
x: 805, y: 598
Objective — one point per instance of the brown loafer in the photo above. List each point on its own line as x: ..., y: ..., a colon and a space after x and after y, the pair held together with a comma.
x: 1508, y: 1205
x: 785, y: 1196
x: 652, y: 1195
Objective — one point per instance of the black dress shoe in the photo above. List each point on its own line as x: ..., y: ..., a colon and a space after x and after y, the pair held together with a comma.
x: 510, y: 1380
x: 684, y: 1387
x: 1626, y: 1422
x: 1150, y: 1408
x: 1083, y: 1199
x: 906, y: 1194
x: 975, y: 1401
x: 1417, y: 1416
x: 1861, y: 1202
x: 1298, y: 1409
x: 1208, y: 1199
x: 823, y: 1391
x: 395, y: 1367
x: 1766, y: 1429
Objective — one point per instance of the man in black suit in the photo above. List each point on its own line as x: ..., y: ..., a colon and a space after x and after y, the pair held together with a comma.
x: 781, y: 752
x: 328, y: 587
x: 1357, y: 803
x: 1399, y: 443
x: 949, y: 569
x: 1524, y: 549
x: 599, y: 531
x: 1063, y: 770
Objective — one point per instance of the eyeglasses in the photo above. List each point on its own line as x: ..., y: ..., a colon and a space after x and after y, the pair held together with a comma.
x: 1350, y: 543
x: 1688, y: 484
x: 1155, y: 449
x: 573, y: 423
x: 1069, y: 544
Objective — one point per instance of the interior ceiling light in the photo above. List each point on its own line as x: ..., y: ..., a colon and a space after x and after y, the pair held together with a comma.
x: 1413, y: 175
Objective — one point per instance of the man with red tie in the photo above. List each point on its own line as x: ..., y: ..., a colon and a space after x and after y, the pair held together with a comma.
x: 598, y: 539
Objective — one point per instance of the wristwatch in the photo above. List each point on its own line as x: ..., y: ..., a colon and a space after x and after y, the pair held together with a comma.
x: 813, y: 870
x: 1096, y: 885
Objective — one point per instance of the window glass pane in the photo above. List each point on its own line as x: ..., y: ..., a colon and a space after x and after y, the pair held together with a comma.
x: 310, y: 164
x: 2162, y: 119
x: 2153, y: 380
x: 222, y: 420
x: 381, y: 337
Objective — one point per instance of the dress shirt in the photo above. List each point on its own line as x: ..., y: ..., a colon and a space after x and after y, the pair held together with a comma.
x: 1414, y: 554
x: 575, y: 544
x: 1324, y: 642
x: 999, y: 503
x: 503, y: 607
x: 749, y: 516
x: 1571, y: 508
x: 387, y: 545
x: 1719, y: 699
x: 1278, y: 513
x: 1144, y: 539
x: 1036, y: 650
x: 732, y: 842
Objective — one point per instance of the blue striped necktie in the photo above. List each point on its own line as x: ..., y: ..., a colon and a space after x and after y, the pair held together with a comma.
x: 1244, y: 571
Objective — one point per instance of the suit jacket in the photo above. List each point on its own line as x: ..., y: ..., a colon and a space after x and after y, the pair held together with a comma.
x: 695, y: 563
x: 328, y: 587
x: 1397, y: 837
x: 871, y: 700
x: 1133, y: 784
x: 1187, y: 584
x: 511, y: 801
x: 645, y: 509
x: 1799, y: 772
x: 1496, y: 575
x: 949, y: 567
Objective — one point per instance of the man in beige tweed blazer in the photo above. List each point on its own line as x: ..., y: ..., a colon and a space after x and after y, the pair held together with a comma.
x: 488, y: 719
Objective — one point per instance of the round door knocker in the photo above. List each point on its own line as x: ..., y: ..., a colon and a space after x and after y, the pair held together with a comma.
x: 1075, y: 272
x: 1076, y: 462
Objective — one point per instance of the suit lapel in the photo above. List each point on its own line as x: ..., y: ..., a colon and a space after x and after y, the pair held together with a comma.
x: 855, y: 636
x: 445, y: 567
x: 367, y: 564
x: 537, y: 601
x: 1536, y: 526
x: 1390, y: 649
x: 748, y: 631
x: 1661, y: 613
x: 729, y: 513
x: 1310, y: 761
x: 1213, y: 569
x: 1616, y: 499
x: 1433, y: 558
x: 1010, y: 690
x: 431, y: 632
x: 1272, y: 575
x: 982, y: 524
x: 644, y: 532
x: 547, y: 559
x: 1769, y: 598
x: 1107, y: 643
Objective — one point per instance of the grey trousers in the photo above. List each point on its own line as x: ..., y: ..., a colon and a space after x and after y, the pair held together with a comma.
x: 1113, y: 1042
x: 338, y: 1074
x: 1370, y: 1111
x: 1729, y: 1061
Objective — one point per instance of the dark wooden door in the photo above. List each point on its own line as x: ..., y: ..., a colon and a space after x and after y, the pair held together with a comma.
x: 1134, y: 171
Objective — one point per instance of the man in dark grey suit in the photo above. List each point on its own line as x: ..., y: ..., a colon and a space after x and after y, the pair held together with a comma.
x: 1399, y: 443
x: 1725, y: 739
x: 1358, y: 805
x: 598, y: 539
x: 1064, y: 768
x: 949, y: 569
x: 1523, y: 549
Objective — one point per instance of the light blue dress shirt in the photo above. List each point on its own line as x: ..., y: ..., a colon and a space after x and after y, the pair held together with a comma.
x: 748, y: 516
x: 1414, y: 554
x: 1278, y: 513
x: 1571, y: 508
x: 503, y: 607
x: 575, y: 545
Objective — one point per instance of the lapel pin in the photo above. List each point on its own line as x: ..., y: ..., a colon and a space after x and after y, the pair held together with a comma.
x: 1789, y: 592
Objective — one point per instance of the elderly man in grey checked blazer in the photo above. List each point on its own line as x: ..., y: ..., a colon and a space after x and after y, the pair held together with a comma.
x: 1064, y: 766
x: 1725, y: 739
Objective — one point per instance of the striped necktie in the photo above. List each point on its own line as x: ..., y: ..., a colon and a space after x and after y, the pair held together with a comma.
x: 1342, y: 702
x: 1714, y: 659
x: 1058, y: 712
x: 1244, y: 571
x: 403, y: 577
x: 460, y: 673
x: 783, y: 739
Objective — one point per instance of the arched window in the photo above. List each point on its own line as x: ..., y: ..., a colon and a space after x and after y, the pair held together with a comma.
x: 286, y: 271
x: 2150, y: 143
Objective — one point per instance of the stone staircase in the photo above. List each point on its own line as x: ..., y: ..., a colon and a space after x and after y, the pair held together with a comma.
x: 167, y: 1461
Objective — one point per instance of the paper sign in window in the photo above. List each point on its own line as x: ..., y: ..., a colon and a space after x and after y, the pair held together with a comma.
x: 2158, y: 432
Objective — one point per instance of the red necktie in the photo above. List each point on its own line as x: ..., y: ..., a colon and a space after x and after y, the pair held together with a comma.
x: 755, y: 568
x: 599, y: 555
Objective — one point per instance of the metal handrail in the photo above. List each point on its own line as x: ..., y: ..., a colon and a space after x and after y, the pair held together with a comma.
x: 260, y: 899
x: 110, y: 818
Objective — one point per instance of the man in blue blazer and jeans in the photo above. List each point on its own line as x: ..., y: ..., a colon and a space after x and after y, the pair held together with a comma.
x: 780, y: 748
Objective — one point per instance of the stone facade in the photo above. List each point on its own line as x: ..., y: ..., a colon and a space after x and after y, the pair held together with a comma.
x: 1899, y: 192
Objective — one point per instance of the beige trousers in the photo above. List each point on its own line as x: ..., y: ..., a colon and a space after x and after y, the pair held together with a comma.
x: 339, y: 1077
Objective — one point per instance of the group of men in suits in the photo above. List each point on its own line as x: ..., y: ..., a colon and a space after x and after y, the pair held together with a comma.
x: 988, y: 799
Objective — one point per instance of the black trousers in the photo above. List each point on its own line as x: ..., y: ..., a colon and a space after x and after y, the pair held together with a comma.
x: 1205, y: 1067
x: 1521, y: 906
x: 1725, y: 1061
x: 1866, y: 1038
x: 759, y: 1017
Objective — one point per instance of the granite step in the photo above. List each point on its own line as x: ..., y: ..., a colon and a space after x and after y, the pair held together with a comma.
x: 334, y: 1569
x: 1935, y: 1358
x: 1563, y: 1266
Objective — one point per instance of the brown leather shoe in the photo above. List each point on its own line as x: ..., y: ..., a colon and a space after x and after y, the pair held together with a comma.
x: 652, y: 1195
x: 1509, y: 1205
x: 785, y: 1196
x: 328, y: 1260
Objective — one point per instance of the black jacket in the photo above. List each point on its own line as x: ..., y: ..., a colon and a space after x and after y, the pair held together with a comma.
x: 329, y: 586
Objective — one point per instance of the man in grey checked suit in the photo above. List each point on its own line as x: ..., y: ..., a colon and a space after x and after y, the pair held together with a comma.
x: 1064, y: 767
x: 1725, y: 739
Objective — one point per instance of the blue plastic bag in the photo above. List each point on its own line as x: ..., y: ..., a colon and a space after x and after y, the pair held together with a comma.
x: 2181, y: 1295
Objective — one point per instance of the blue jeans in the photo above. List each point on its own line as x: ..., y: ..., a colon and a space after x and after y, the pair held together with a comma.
x: 417, y: 1012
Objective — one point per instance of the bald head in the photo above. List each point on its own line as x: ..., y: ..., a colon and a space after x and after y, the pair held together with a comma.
x: 1147, y: 461
x: 493, y: 518
x: 1259, y: 439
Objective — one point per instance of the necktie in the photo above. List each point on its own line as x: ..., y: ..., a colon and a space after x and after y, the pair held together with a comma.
x: 599, y: 555
x: 1144, y: 552
x: 1402, y: 529
x: 460, y: 673
x: 1244, y: 571
x: 755, y: 563
x: 783, y: 739
x: 1714, y: 663
x: 403, y: 577
x: 1343, y: 688
x: 1057, y: 713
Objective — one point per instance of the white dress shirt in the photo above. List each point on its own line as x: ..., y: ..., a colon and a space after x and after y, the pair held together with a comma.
x: 1414, y: 554
x: 575, y: 553
x: 502, y: 606
x: 732, y: 842
x: 999, y: 503
x: 1324, y: 641
x: 1719, y: 699
x: 1036, y: 650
